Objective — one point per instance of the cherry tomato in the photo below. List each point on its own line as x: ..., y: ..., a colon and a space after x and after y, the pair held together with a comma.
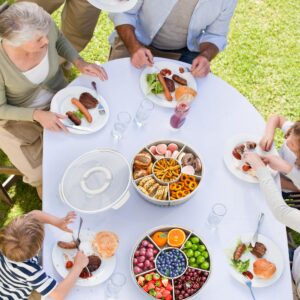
x: 246, y: 168
x: 165, y: 72
x: 69, y: 264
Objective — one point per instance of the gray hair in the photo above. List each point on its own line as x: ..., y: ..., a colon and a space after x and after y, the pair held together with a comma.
x: 20, y: 22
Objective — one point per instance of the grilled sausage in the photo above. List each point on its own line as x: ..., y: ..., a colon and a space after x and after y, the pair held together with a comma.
x: 84, y: 111
x: 67, y: 245
x: 167, y: 93
x: 170, y: 84
x: 179, y: 79
x: 240, y: 249
x: 73, y: 118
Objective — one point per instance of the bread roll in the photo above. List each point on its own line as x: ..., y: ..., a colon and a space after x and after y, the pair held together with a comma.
x: 264, y: 269
x: 106, y: 243
x: 185, y: 93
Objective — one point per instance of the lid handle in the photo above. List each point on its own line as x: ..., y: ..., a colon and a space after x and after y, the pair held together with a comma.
x: 101, y: 189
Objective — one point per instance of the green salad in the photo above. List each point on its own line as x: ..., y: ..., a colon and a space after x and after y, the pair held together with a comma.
x: 78, y: 114
x: 154, y: 85
x: 240, y: 266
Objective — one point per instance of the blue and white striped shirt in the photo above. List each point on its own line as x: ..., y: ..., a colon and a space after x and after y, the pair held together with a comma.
x: 19, y: 279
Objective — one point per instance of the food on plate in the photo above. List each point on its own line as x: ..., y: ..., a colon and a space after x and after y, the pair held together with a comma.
x: 69, y: 264
x: 167, y: 170
x: 82, y: 109
x: 74, y: 118
x: 106, y: 243
x: 144, y: 257
x: 88, y: 100
x: 170, y: 84
x: 185, y: 93
x: 248, y: 274
x: 197, y: 253
x: 239, y: 150
x: 161, y: 149
x: 188, y: 159
x: 171, y: 263
x: 189, y: 283
x: 164, y: 150
x: 181, y: 69
x: 186, y: 185
x: 179, y: 80
x: 154, y: 85
x: 172, y: 147
x: 188, y: 170
x: 165, y: 72
x: 67, y: 245
x: 259, y: 250
x: 264, y: 269
x: 167, y: 93
x: 156, y: 286
x: 160, y: 238
x: 239, y: 251
x: 94, y: 263
x: 150, y: 187
x: 142, y: 165
x: 197, y: 164
x: 176, y: 237
x: 240, y: 266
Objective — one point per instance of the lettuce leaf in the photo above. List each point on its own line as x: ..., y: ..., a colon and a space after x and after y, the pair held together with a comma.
x: 154, y: 85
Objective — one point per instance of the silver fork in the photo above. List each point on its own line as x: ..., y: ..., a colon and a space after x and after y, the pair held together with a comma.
x: 249, y: 285
x: 100, y: 107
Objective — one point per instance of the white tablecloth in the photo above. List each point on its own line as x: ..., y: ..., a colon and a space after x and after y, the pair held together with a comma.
x: 218, y: 113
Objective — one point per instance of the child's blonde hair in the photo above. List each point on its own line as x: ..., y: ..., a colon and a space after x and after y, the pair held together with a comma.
x: 295, y: 130
x: 22, y: 238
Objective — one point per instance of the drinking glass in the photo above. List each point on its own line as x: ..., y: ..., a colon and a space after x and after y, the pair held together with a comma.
x: 143, y: 112
x: 217, y: 213
x: 114, y: 285
x: 121, y: 124
x: 180, y: 113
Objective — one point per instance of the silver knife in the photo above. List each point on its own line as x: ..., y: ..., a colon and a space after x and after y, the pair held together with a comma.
x: 254, y: 238
x: 80, y: 128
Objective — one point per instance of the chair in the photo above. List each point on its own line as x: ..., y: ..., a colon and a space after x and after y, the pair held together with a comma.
x: 292, y: 199
x: 13, y: 176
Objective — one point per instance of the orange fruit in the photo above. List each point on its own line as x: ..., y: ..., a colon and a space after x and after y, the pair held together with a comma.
x: 160, y: 238
x: 176, y: 237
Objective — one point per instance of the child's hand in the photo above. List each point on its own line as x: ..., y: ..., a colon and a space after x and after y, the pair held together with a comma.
x: 266, y: 142
x: 64, y: 222
x: 277, y: 163
x: 254, y: 160
x: 81, y: 260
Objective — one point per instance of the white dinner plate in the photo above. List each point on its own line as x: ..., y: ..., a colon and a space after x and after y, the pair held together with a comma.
x: 234, y: 165
x: 115, y: 6
x: 160, y: 99
x: 59, y: 259
x: 61, y: 103
x: 272, y: 254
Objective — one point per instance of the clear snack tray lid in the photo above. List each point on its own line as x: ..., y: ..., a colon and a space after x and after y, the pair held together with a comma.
x: 96, y: 180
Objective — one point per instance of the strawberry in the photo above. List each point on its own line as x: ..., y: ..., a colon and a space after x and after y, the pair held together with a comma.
x: 169, y: 297
x: 151, y: 286
x: 166, y: 293
x: 159, y: 295
x: 169, y: 287
x: 146, y: 288
x: 141, y: 280
x: 165, y: 281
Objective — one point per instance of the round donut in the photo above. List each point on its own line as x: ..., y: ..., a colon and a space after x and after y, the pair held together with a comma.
x: 197, y: 164
x: 188, y: 159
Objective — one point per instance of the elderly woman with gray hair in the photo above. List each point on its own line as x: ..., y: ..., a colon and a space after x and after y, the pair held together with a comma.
x: 30, y: 74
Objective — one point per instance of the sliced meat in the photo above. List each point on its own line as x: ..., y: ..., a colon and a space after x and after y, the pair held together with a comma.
x: 94, y: 263
x: 240, y: 249
x: 259, y: 250
x: 88, y: 101
x: 170, y: 84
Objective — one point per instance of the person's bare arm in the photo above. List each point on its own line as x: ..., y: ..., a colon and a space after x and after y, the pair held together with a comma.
x: 274, y: 122
x: 286, y: 184
x: 201, y: 64
x: 140, y: 55
x: 61, y: 223
x: 64, y: 287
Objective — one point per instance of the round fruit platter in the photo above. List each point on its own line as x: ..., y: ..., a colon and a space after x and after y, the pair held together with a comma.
x: 167, y: 172
x: 171, y: 263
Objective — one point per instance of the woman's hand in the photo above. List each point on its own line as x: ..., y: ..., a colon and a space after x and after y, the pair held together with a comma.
x: 266, y: 142
x: 200, y: 66
x: 254, y: 160
x: 49, y: 120
x: 278, y: 164
x: 90, y: 69
x: 62, y: 223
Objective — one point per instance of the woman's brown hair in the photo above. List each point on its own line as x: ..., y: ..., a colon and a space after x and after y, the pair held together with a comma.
x: 295, y: 131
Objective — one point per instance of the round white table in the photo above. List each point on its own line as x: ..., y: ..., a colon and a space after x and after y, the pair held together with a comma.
x: 218, y: 113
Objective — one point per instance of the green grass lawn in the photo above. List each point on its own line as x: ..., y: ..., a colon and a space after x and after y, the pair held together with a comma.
x: 262, y: 61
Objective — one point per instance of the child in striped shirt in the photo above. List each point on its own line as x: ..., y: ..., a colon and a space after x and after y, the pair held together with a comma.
x: 20, y: 271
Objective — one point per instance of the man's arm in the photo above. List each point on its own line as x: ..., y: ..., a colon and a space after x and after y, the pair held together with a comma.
x: 208, y: 50
x: 140, y: 55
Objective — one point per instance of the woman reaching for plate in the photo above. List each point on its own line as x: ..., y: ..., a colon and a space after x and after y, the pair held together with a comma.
x: 282, y: 212
x: 30, y: 74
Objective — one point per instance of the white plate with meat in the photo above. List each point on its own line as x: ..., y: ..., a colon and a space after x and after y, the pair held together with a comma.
x: 153, y: 90
x: 116, y: 6
x: 234, y: 149
x: 263, y: 265
x: 62, y: 104
x: 63, y: 259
